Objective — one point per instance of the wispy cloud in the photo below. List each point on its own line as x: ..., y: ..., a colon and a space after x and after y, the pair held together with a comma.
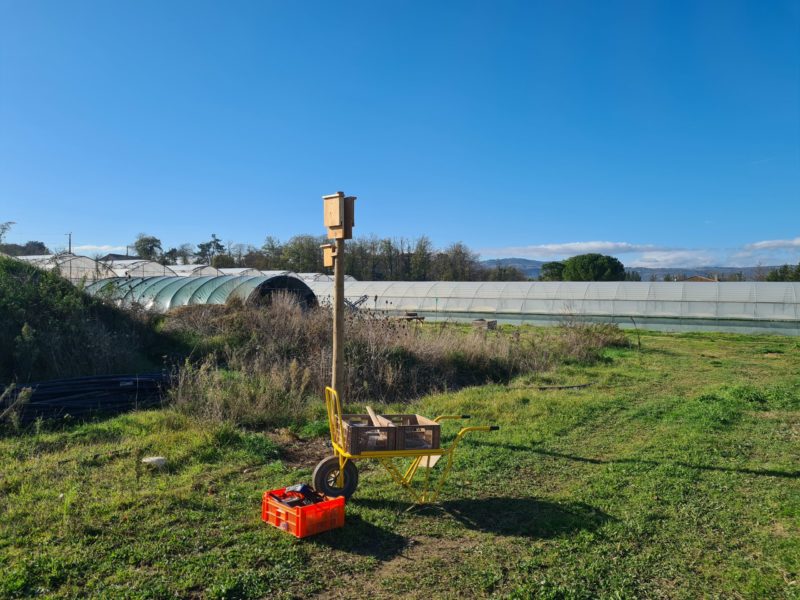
x: 676, y: 258
x: 571, y: 249
x: 98, y: 248
x: 774, y: 244
x: 765, y: 252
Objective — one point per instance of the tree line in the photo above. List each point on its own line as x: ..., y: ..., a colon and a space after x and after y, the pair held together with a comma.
x: 785, y: 273
x: 373, y: 258
x: 28, y: 249
x: 367, y: 259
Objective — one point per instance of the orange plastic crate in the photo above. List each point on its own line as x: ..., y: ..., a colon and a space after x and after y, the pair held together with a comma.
x: 302, y: 521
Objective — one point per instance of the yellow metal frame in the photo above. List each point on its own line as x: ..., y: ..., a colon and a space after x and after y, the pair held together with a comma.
x: 430, y: 490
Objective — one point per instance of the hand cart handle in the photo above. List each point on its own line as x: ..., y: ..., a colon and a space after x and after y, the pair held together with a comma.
x: 450, y: 417
x: 466, y: 430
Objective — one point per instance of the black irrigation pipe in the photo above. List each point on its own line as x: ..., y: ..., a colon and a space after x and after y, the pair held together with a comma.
x: 552, y: 387
x: 85, y: 396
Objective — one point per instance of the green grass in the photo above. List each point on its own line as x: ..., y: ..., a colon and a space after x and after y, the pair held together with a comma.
x: 675, y: 475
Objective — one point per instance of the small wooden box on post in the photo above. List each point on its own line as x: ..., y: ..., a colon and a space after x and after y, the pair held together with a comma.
x: 339, y: 217
x: 339, y: 211
x: 328, y: 255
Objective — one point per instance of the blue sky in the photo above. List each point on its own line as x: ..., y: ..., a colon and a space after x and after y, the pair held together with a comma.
x: 661, y: 132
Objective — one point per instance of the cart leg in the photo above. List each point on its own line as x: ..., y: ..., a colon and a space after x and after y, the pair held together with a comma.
x: 431, y: 490
x: 444, y: 475
x: 399, y: 479
x: 412, y: 469
x: 434, y: 495
x: 426, y: 486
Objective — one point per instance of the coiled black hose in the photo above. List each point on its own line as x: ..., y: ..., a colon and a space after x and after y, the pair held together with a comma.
x: 84, y: 396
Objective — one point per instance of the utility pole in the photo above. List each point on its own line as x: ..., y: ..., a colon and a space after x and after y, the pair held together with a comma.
x: 338, y: 211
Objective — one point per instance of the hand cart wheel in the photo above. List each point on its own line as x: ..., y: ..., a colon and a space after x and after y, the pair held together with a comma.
x: 326, y: 475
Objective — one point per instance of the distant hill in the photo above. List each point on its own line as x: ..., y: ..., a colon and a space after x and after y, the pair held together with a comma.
x: 532, y: 268
x: 748, y: 273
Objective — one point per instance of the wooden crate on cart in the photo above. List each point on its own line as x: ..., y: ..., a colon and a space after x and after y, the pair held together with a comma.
x: 375, y: 433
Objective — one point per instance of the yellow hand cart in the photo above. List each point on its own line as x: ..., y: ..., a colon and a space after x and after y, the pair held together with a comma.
x: 337, y: 475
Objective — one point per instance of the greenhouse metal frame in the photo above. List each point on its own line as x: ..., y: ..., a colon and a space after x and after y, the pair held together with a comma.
x: 74, y: 267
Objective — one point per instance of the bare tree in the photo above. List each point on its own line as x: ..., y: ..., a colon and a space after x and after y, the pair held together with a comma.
x: 4, y: 227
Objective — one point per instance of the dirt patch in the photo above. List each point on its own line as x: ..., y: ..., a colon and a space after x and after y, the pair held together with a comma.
x: 787, y: 422
x: 299, y: 453
x: 778, y: 529
x: 769, y: 414
x: 772, y: 354
x: 786, y: 416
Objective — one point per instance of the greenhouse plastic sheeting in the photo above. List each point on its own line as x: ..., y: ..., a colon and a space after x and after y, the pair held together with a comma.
x: 240, y: 271
x: 769, y: 301
x: 731, y: 306
x: 163, y: 293
x: 138, y: 268
x: 194, y: 270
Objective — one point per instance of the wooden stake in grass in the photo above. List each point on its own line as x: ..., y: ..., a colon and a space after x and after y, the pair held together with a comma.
x: 338, y: 317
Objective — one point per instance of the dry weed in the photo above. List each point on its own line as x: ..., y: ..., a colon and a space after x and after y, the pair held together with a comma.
x: 271, y: 359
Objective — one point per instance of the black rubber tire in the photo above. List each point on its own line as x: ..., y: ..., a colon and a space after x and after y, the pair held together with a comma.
x: 326, y: 472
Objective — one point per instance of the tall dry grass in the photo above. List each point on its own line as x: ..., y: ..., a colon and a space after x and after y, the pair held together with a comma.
x: 268, y: 364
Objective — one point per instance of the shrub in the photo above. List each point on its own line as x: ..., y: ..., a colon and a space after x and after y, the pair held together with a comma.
x: 593, y: 267
x: 49, y: 328
x: 270, y: 364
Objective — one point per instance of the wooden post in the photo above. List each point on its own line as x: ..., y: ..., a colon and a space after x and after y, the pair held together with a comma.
x: 337, y: 374
x: 338, y: 213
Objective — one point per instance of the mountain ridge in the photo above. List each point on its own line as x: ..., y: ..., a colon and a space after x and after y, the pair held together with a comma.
x: 532, y: 268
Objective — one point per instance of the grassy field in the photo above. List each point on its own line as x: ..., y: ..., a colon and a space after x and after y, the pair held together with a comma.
x: 676, y: 474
